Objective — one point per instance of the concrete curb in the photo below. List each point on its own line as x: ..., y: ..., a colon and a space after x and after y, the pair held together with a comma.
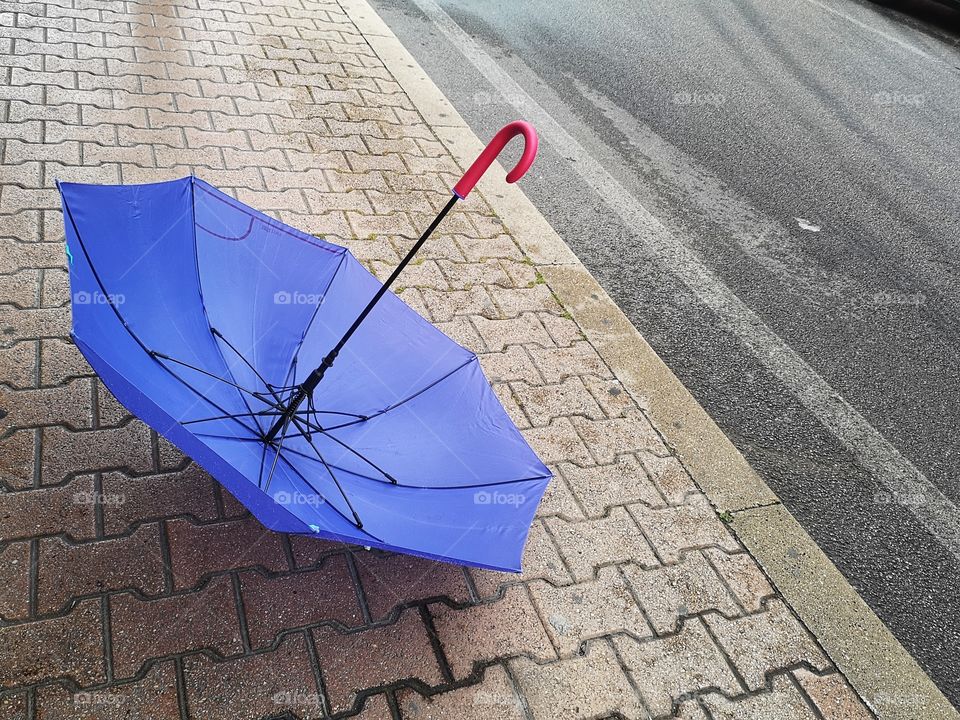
x: 884, y: 674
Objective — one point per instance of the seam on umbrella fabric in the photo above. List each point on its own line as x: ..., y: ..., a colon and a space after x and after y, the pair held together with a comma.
x: 238, y: 238
x: 275, y: 224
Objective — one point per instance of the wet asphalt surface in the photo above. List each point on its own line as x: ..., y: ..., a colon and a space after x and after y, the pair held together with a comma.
x: 810, y: 156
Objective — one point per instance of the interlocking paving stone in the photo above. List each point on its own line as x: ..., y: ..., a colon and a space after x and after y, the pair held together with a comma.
x: 503, y: 628
x: 379, y: 656
x: 288, y: 601
x: 154, y: 697
x: 692, y: 525
x: 144, y: 629
x: 782, y: 702
x: 131, y: 500
x: 759, y: 643
x: 66, y: 570
x: 559, y: 442
x: 514, y: 363
x: 499, y: 334
x: 69, y: 647
x: 665, y: 669
x: 674, y: 591
x: 608, y: 438
x: 19, y: 362
x: 46, y: 511
x: 588, y: 610
x: 589, y: 544
x: 261, y: 685
x: 544, y: 402
x: 196, y: 550
x: 493, y: 697
x: 389, y: 580
x: 588, y: 686
x: 65, y: 452
x: 602, y: 486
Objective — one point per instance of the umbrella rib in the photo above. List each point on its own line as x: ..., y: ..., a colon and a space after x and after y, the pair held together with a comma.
x: 336, y: 482
x: 261, y: 413
x: 405, y: 400
x: 256, y: 372
x: 360, y: 418
x: 264, y: 413
x: 273, y: 468
x: 473, y: 486
x: 254, y: 437
x: 331, y: 505
x: 126, y: 326
x: 263, y: 461
x: 317, y: 428
x: 258, y: 396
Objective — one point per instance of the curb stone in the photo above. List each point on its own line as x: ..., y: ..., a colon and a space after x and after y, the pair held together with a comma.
x: 887, y: 678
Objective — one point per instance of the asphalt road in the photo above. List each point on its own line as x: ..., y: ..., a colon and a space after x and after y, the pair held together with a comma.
x: 770, y: 192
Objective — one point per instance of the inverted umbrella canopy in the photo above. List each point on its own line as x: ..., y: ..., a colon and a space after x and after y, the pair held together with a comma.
x: 325, y: 404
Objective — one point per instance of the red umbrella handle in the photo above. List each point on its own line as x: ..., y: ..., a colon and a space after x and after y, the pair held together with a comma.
x: 494, y: 148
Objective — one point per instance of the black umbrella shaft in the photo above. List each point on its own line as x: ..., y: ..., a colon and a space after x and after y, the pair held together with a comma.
x: 314, y: 378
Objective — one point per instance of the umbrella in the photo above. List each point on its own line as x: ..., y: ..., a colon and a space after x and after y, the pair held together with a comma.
x: 320, y: 400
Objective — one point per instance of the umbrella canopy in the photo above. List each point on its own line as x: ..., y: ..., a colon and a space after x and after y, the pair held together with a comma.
x: 207, y: 318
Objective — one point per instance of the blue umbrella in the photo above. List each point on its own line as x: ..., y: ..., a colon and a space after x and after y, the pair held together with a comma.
x: 321, y: 401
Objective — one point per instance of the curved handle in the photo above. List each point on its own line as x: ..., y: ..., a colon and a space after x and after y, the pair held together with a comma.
x: 490, y: 152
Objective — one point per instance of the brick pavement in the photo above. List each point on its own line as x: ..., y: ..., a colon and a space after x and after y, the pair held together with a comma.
x: 134, y: 586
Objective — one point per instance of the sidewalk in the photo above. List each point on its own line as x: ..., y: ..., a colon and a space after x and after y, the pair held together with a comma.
x: 133, y: 586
